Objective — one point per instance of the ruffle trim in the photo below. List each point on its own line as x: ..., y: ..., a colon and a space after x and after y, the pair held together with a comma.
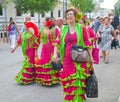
x: 76, y: 99
x: 74, y: 84
x: 48, y: 83
x: 24, y: 76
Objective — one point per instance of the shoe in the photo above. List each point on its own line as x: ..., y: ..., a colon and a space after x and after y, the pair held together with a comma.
x: 101, y: 56
x: 106, y: 62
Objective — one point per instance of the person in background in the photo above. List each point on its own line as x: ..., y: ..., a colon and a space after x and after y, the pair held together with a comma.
x: 116, y: 24
x: 97, y: 24
x: 12, y: 32
x: 74, y: 74
x: 27, y: 19
x: 105, y: 32
x: 29, y: 44
x: 116, y: 21
x: 59, y: 23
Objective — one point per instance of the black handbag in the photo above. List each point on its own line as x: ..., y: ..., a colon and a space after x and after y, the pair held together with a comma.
x: 78, y: 53
x: 92, y: 86
x: 57, y: 66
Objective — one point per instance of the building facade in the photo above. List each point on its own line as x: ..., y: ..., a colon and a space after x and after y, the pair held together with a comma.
x: 11, y: 11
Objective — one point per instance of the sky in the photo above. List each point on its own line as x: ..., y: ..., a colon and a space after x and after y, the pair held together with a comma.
x: 108, y: 4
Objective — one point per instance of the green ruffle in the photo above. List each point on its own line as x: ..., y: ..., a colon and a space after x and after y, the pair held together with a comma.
x: 78, y: 76
x: 53, y: 79
x: 19, y: 77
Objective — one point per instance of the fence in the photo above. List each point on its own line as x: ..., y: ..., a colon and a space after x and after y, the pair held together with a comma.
x: 3, y: 33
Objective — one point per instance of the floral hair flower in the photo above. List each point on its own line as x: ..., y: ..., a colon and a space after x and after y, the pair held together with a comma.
x: 48, y: 23
x: 79, y: 17
x: 86, y: 22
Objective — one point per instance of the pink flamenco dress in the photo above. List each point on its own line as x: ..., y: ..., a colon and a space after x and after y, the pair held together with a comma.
x: 45, y: 75
x: 29, y: 44
x: 74, y: 75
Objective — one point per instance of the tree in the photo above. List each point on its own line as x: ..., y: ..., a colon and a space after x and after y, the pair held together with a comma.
x: 35, y: 6
x: 117, y: 7
x: 85, y: 6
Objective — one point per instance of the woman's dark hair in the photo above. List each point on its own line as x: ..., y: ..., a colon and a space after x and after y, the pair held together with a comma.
x: 11, y: 20
x: 74, y: 11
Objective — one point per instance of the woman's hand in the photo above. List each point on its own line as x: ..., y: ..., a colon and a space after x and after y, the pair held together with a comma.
x: 36, y: 60
x: 55, y: 59
x: 92, y: 60
x: 12, y: 50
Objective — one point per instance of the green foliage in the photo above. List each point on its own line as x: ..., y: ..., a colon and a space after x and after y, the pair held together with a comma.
x: 39, y: 6
x: 85, y: 6
x: 117, y: 7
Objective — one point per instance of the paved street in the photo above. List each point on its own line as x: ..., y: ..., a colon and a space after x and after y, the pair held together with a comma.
x: 108, y: 77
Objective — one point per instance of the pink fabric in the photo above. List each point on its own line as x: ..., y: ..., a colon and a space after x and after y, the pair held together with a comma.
x: 70, y: 89
x: 64, y: 83
x: 27, y: 76
x: 31, y: 55
x: 45, y: 75
x: 44, y: 70
x: 86, y: 37
x: 19, y: 41
x: 26, y: 81
x: 95, y: 54
x: 69, y: 67
x: 91, y: 33
x: 92, y: 36
x: 69, y: 97
x: 27, y: 71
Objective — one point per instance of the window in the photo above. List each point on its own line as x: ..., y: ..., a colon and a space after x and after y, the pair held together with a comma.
x: 32, y: 15
x: 51, y: 14
x: 59, y: 13
x: 43, y: 15
x: 1, y: 11
x: 19, y: 13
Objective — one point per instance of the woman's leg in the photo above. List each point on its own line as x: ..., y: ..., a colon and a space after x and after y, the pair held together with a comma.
x: 12, y: 40
x: 103, y: 54
x: 106, y: 56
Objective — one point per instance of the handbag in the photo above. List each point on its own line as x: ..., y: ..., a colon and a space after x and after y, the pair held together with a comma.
x: 92, y: 86
x: 95, y: 54
x: 78, y: 53
x: 57, y: 66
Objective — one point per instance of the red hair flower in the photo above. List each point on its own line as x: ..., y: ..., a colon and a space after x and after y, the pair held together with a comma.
x: 49, y: 23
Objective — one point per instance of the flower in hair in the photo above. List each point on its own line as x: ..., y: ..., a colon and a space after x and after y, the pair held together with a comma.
x: 79, y: 17
x: 49, y: 23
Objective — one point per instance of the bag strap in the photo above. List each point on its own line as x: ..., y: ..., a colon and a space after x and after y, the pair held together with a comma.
x: 69, y: 35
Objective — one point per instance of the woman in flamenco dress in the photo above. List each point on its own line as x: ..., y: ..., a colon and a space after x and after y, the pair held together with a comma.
x: 29, y: 43
x: 74, y: 75
x: 45, y: 75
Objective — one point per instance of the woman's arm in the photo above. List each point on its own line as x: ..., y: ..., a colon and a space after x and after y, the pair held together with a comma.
x: 114, y: 34
x: 12, y: 50
x: 55, y: 54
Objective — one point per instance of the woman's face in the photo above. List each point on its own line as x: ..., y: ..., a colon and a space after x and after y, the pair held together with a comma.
x: 106, y: 21
x: 12, y: 21
x: 70, y: 17
x: 44, y: 22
